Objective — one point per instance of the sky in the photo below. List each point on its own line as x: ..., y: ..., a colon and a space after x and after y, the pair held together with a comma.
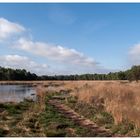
x: 69, y: 38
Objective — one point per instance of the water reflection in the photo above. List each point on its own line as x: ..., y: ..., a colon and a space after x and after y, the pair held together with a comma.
x: 16, y: 93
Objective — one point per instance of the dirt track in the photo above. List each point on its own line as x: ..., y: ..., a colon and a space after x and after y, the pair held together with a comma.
x: 80, y: 120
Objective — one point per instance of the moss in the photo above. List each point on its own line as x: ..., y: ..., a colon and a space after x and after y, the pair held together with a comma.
x: 104, y: 118
x: 72, y: 99
x: 83, y: 132
x: 57, y: 125
x: 53, y: 133
x: 17, y: 108
x: 123, y: 128
x: 12, y: 115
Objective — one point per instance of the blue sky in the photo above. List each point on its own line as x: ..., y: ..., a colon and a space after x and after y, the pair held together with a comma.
x: 70, y: 38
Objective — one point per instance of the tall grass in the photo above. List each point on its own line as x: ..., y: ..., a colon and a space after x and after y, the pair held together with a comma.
x: 122, y: 100
x: 41, y: 95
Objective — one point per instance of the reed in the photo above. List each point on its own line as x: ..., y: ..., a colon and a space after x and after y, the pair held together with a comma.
x: 122, y: 100
x: 40, y: 96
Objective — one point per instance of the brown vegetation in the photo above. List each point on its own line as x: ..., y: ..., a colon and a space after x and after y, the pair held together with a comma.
x: 24, y: 118
x: 40, y: 96
x: 120, y: 99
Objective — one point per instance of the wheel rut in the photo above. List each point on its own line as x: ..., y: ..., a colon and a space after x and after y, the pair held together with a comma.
x: 80, y: 120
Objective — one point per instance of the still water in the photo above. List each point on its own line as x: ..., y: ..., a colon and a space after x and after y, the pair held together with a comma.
x: 16, y: 93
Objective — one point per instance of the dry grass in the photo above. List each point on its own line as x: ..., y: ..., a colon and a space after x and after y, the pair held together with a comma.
x: 41, y: 95
x: 30, y: 124
x: 24, y: 118
x: 122, y: 100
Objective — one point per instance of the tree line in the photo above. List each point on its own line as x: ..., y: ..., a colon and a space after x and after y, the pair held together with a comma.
x: 21, y: 74
x: 16, y: 74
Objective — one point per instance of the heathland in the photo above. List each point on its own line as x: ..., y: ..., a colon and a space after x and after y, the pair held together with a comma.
x: 75, y: 109
x: 87, y: 105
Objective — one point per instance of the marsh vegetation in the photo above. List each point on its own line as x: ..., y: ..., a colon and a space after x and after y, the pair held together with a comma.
x: 113, y: 105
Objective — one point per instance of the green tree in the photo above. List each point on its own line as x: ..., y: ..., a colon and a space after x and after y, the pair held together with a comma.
x: 134, y: 73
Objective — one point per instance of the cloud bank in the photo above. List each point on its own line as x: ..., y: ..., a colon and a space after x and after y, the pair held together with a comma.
x: 134, y: 54
x: 69, y: 60
x: 22, y: 62
x: 53, y: 52
x: 7, y: 28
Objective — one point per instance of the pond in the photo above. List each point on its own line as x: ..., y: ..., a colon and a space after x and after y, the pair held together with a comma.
x: 17, y: 93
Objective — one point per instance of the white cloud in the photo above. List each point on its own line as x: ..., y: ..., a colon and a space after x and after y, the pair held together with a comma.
x: 57, y: 53
x: 134, y: 54
x: 8, y: 28
x: 22, y: 62
x: 72, y: 61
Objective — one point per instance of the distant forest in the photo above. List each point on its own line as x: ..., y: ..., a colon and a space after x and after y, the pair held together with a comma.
x: 22, y: 74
